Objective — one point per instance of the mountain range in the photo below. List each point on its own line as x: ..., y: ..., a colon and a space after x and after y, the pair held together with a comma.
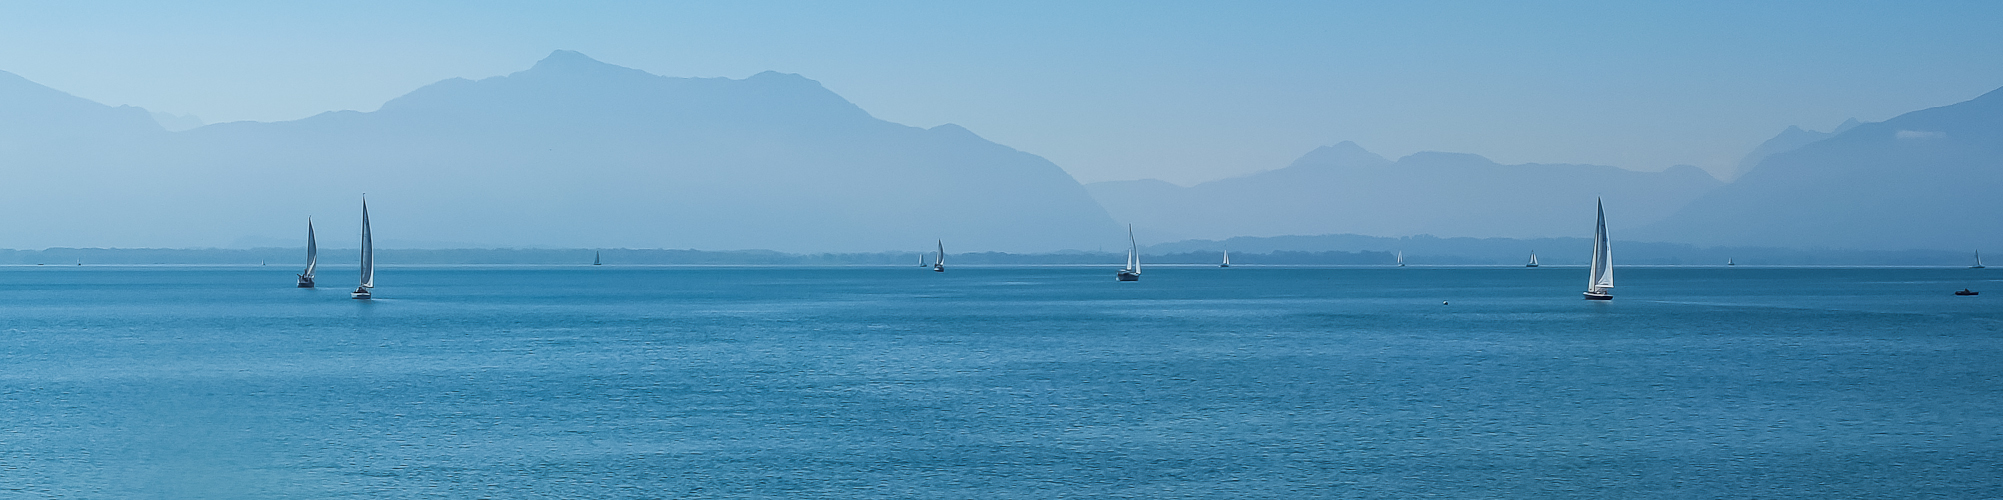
x: 576, y: 153
x: 572, y: 152
x: 1344, y: 189
x: 1924, y: 179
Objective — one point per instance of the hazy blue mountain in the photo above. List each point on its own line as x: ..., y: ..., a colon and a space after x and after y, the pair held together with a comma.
x: 1345, y: 189
x: 1925, y: 179
x: 569, y: 153
x: 33, y: 116
x: 1788, y: 140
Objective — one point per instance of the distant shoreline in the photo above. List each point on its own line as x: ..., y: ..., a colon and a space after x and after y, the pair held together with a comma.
x: 1420, y: 253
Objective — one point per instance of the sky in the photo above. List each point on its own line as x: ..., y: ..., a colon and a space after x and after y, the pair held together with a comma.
x: 1181, y: 91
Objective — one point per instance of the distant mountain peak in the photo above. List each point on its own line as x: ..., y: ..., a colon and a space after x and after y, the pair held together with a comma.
x: 570, y: 62
x: 1345, y: 154
x: 1847, y: 125
x: 566, y: 58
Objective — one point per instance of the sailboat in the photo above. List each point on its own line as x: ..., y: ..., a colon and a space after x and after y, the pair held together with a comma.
x: 312, y: 256
x: 368, y: 259
x: 1533, y: 259
x: 1728, y: 262
x: 1401, y: 258
x: 1978, y: 260
x: 939, y: 266
x: 1227, y: 259
x: 1132, y: 271
x: 595, y: 260
x: 1600, y: 285
x: 921, y: 260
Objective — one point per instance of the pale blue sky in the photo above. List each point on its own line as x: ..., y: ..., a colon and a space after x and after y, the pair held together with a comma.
x: 1178, y: 91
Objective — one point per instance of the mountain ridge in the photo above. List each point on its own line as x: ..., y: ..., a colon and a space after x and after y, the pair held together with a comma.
x: 1343, y: 188
x: 1923, y: 179
x: 576, y: 152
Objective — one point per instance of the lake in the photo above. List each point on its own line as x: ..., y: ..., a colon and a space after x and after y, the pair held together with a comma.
x: 1002, y: 382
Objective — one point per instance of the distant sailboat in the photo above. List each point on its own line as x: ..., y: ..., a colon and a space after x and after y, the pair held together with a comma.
x: 1978, y: 260
x: 939, y: 266
x: 1401, y: 258
x: 1533, y: 260
x: 921, y: 260
x: 1728, y: 262
x: 595, y: 260
x: 1227, y: 259
x: 1600, y: 285
x: 1133, y: 270
x: 312, y: 256
x: 362, y: 292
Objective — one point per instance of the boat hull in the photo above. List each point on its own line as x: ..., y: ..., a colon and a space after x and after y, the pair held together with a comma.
x: 1599, y: 296
x: 1966, y: 293
x: 305, y: 282
x: 1128, y: 276
x: 938, y: 269
x: 361, y: 294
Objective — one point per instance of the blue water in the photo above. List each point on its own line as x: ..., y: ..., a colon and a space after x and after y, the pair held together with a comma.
x: 1053, y: 382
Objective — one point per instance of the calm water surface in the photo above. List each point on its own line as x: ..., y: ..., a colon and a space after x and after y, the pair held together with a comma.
x: 1054, y: 382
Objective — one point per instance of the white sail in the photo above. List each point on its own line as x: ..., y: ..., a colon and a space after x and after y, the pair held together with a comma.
x: 368, y: 251
x: 1533, y: 258
x: 1602, y: 277
x: 942, y: 254
x: 312, y: 251
x: 1401, y: 258
x: 1978, y: 259
x: 1133, y: 251
x: 1227, y: 257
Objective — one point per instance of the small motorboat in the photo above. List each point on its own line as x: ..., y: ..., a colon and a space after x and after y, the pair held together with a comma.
x: 1966, y: 291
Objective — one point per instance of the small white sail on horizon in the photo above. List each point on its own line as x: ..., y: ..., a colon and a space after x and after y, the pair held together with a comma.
x: 1401, y: 258
x: 1978, y: 260
x: 1227, y: 258
x: 940, y: 265
x: 1600, y: 284
x: 1533, y: 259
